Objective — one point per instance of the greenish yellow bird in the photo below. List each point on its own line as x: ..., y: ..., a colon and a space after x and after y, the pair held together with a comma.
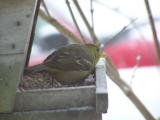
x: 70, y: 64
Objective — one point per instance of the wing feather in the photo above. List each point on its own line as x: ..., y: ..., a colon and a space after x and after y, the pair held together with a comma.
x: 71, y: 58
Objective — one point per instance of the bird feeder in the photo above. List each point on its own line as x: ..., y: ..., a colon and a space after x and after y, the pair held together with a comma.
x: 17, y: 21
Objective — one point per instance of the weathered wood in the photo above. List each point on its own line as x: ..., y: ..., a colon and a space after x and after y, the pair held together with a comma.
x: 83, y: 113
x: 101, y: 87
x: 57, y: 98
x: 16, y: 17
x: 9, y: 65
x: 69, y: 103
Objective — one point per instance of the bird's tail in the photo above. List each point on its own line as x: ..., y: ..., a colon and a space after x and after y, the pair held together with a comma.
x: 36, y: 68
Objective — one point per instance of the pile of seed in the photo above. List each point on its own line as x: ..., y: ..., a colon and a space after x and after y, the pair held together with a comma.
x: 44, y: 80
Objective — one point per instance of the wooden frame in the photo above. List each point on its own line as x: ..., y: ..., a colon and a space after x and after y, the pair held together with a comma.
x: 83, y: 113
x: 86, y: 102
x: 60, y: 102
x: 16, y: 21
x: 56, y: 98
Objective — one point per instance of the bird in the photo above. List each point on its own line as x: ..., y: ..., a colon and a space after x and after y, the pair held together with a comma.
x: 70, y: 64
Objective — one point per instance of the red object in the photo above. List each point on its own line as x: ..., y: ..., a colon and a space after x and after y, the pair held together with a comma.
x: 123, y: 54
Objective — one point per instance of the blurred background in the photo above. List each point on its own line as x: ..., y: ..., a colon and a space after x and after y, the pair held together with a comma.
x: 132, y: 51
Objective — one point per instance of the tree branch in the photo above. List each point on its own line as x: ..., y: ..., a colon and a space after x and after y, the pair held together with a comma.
x: 95, y: 40
x: 74, y: 20
x: 59, y: 27
x: 127, y: 90
x: 155, y: 37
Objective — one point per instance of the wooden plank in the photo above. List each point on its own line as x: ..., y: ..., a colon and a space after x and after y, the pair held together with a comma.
x: 16, y: 17
x: 101, y: 87
x: 58, y: 98
x: 9, y: 65
x: 84, y: 113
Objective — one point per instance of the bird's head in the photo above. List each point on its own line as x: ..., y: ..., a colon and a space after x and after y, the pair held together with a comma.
x: 95, y: 51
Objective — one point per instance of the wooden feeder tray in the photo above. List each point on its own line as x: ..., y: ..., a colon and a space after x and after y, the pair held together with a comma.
x: 65, y: 103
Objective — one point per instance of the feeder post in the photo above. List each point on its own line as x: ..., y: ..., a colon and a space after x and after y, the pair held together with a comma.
x: 101, y: 87
x: 16, y: 21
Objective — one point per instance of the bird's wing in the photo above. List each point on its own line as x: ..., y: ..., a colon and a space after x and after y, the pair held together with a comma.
x: 71, y: 58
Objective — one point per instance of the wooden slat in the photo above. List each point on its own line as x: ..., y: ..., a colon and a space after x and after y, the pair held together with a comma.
x: 101, y: 87
x: 9, y: 65
x: 57, y: 98
x: 83, y: 113
x: 16, y: 17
